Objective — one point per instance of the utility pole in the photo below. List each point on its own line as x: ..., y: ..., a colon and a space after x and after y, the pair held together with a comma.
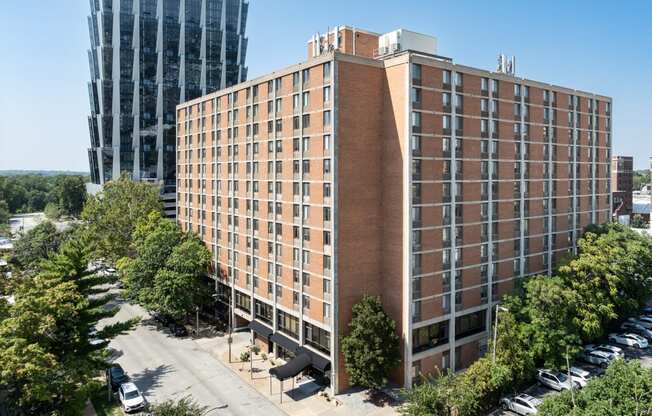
x: 570, y: 380
x: 498, y: 308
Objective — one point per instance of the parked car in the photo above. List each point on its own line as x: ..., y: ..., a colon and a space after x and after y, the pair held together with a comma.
x: 597, y: 357
x: 116, y: 376
x: 556, y: 380
x: 637, y: 329
x: 647, y: 310
x: 177, y: 330
x: 629, y: 339
x: 646, y: 321
x: 130, y: 398
x: 522, y: 404
x: 617, y: 352
x: 580, y: 375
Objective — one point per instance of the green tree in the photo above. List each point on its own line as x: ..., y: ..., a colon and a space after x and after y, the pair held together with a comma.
x: 178, y: 288
x: 37, y: 244
x: 184, y: 407
x: 155, y: 238
x: 431, y: 397
x: 639, y: 222
x: 549, y: 310
x: 5, y: 216
x: 47, y: 359
x: 640, y: 179
x: 70, y: 192
x: 625, y: 389
x: 112, y: 215
x: 166, y: 274
x: 371, y: 349
x: 52, y: 211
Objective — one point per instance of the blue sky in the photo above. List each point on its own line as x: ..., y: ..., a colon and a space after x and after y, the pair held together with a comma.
x: 598, y: 46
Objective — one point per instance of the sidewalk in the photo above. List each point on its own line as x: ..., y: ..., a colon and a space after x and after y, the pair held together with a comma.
x: 302, y: 400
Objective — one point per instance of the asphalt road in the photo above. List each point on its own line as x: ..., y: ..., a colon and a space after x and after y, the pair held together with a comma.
x: 164, y: 367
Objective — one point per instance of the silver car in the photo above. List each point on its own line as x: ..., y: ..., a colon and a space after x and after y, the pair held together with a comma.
x: 617, y: 352
x: 629, y: 339
x: 597, y: 357
x: 556, y: 380
x: 637, y: 329
x: 580, y: 375
x: 522, y: 404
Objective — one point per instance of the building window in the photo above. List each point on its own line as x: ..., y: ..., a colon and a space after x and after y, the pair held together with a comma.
x: 327, y: 71
x: 287, y: 324
x: 416, y: 72
x: 327, y: 94
x: 263, y: 311
x: 430, y: 336
x: 470, y: 324
x: 446, y: 77
x: 327, y: 118
x: 317, y: 338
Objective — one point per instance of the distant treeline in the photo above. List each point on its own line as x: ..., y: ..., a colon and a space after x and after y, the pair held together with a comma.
x: 42, y: 173
x: 62, y: 194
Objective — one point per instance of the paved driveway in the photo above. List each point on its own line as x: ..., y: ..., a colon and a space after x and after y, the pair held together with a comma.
x: 164, y: 367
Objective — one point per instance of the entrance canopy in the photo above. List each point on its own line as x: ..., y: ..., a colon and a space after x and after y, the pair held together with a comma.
x: 260, y: 329
x: 317, y: 361
x: 292, y: 368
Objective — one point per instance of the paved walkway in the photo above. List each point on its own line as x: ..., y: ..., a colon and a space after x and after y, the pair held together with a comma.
x: 302, y: 400
x: 164, y: 367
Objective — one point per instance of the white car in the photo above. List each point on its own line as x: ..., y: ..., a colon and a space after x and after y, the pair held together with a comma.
x: 130, y: 398
x: 556, y: 380
x: 597, y: 357
x: 580, y: 376
x: 637, y: 329
x: 629, y: 339
x: 617, y: 352
x: 522, y: 404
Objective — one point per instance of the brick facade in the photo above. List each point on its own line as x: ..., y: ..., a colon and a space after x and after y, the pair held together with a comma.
x: 432, y: 185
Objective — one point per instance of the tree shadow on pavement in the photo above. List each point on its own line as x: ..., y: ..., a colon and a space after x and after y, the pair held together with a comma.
x: 150, y: 378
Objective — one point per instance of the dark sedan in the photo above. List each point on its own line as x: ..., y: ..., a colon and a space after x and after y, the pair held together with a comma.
x: 116, y: 376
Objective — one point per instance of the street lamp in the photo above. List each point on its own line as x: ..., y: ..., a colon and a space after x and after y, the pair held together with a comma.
x: 197, y: 315
x: 498, y: 308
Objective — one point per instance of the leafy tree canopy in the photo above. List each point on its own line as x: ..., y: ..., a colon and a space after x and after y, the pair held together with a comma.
x: 47, y: 358
x: 166, y: 273
x: 112, y: 215
x: 37, y: 244
x: 623, y: 390
x: 371, y: 349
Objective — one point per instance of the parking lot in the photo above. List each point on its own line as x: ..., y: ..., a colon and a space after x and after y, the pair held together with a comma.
x: 540, y: 392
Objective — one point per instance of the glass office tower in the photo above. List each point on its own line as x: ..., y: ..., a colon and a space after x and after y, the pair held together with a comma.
x: 146, y: 57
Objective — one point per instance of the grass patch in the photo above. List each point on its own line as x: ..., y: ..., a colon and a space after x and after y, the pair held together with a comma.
x: 101, y: 405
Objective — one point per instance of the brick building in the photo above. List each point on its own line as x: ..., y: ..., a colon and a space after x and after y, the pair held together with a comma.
x: 378, y: 167
x: 622, y: 174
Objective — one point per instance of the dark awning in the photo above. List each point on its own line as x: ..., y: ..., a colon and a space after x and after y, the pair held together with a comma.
x: 318, y: 362
x: 260, y: 329
x: 292, y: 368
x: 284, y: 342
